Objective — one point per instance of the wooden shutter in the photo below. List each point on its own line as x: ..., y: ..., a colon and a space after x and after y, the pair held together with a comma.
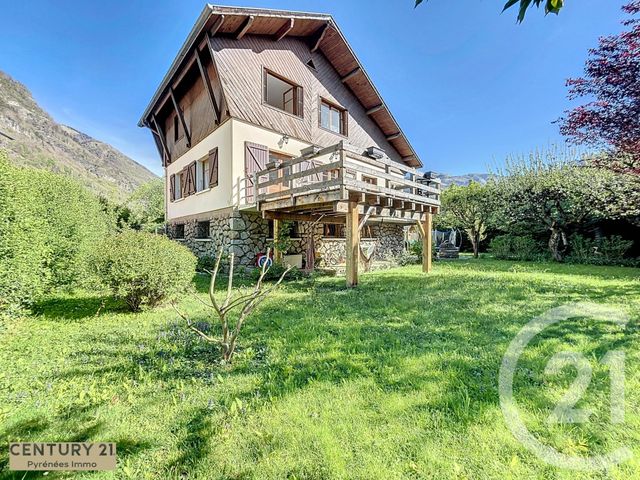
x: 213, y: 168
x: 172, y: 188
x: 183, y: 181
x: 191, y: 185
x: 300, y: 101
x: 255, y: 159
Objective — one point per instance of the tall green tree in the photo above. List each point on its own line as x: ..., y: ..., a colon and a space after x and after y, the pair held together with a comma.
x: 550, y: 6
x: 146, y: 205
x: 469, y: 208
x: 558, y: 195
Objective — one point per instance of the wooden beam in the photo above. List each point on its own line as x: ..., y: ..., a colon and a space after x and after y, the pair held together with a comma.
x: 216, y: 26
x: 319, y: 36
x: 244, y: 28
x: 365, y: 217
x: 162, y: 137
x: 426, y: 243
x: 207, y: 82
x: 284, y: 30
x: 375, y: 109
x: 299, y: 217
x: 394, y: 136
x: 351, y: 74
x: 181, y: 116
x: 352, y: 245
x: 277, y: 254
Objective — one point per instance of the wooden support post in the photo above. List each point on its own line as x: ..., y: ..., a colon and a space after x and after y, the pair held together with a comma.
x: 277, y: 254
x: 353, y: 244
x: 207, y: 83
x: 180, y: 116
x: 426, y: 242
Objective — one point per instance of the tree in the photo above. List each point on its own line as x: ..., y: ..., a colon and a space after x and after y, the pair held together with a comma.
x: 146, y: 205
x: 550, y: 6
x: 557, y: 194
x: 243, y: 305
x: 612, y: 80
x: 469, y: 208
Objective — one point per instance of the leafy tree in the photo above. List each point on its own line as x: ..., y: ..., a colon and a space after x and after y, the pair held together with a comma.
x: 146, y: 205
x: 550, y: 6
x: 611, y: 117
x: 559, y: 194
x: 469, y: 208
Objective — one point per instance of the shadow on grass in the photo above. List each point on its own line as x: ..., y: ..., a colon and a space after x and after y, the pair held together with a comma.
x: 78, y: 308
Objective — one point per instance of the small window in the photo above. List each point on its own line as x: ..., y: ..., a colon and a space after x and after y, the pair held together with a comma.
x: 176, y: 129
x: 177, y: 186
x: 333, y: 118
x: 179, y: 231
x: 203, y: 230
x: 369, y: 180
x: 334, y: 231
x: 312, y: 65
x: 202, y: 174
x: 282, y: 94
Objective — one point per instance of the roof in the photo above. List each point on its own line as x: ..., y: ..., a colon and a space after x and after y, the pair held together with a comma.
x: 325, y: 35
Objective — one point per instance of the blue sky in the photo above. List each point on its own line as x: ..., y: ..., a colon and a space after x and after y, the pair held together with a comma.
x: 467, y: 84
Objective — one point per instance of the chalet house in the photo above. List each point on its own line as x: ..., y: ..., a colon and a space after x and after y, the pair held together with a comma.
x: 268, y: 116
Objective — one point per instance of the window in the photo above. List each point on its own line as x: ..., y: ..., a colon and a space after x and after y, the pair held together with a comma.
x: 333, y: 118
x: 179, y: 231
x: 177, y: 186
x: 369, y: 180
x: 176, y: 129
x: 334, y: 231
x: 282, y: 94
x: 202, y: 174
x: 203, y: 230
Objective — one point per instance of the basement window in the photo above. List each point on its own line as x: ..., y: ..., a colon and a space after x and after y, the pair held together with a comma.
x: 203, y: 230
x: 179, y: 232
x: 282, y: 94
x: 333, y: 117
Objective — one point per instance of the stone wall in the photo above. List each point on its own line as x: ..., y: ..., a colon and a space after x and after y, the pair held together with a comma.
x: 246, y: 234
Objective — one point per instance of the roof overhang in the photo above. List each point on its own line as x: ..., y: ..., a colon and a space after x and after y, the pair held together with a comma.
x: 325, y: 36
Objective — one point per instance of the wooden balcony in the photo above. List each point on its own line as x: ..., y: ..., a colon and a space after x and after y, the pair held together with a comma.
x: 319, y: 186
x: 340, y: 184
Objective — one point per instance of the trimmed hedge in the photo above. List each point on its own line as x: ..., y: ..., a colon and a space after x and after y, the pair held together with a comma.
x: 144, y: 269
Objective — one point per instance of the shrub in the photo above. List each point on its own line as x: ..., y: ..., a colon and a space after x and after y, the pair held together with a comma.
x: 604, y: 251
x: 511, y: 247
x: 415, y: 248
x: 144, y: 269
x: 206, y: 263
x: 408, y: 258
x: 48, y: 224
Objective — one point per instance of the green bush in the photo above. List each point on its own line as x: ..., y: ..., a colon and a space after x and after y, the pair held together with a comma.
x: 604, y: 251
x: 48, y: 224
x: 415, y: 248
x: 206, y: 263
x: 144, y: 269
x: 512, y: 247
x: 408, y: 258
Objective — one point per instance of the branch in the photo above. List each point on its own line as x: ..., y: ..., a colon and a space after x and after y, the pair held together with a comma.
x: 193, y: 327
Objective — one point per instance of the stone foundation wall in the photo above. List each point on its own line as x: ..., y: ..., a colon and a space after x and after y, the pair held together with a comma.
x: 246, y: 234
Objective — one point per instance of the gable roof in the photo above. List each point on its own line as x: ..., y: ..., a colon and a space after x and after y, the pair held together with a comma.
x: 323, y: 35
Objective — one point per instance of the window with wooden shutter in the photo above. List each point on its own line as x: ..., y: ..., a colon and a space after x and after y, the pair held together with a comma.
x: 183, y: 182
x: 255, y: 159
x: 191, y: 178
x: 172, y: 188
x: 213, y: 168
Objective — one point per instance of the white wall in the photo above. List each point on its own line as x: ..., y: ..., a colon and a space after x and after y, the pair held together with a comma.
x: 215, y: 198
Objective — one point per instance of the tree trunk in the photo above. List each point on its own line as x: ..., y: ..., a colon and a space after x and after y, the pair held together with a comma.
x: 475, y: 243
x: 557, y: 238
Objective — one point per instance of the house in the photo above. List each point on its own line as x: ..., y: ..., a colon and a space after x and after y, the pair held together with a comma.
x: 268, y: 116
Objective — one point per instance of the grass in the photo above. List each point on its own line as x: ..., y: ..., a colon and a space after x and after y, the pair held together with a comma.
x: 395, y: 379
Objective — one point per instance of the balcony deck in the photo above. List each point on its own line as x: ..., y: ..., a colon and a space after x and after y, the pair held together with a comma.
x: 340, y: 184
x: 320, y: 185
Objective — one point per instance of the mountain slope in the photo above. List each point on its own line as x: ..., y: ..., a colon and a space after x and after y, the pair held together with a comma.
x: 31, y: 137
x: 462, y: 180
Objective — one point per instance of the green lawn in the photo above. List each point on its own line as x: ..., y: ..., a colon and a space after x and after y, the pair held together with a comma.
x: 395, y: 379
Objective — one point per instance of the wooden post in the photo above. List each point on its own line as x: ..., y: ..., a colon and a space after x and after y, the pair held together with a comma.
x: 352, y: 244
x: 426, y: 242
x: 277, y: 254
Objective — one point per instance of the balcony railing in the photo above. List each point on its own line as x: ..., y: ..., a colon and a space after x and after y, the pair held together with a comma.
x: 342, y: 173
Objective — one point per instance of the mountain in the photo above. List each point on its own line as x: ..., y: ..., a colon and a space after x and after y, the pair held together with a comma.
x: 32, y: 138
x: 448, y: 180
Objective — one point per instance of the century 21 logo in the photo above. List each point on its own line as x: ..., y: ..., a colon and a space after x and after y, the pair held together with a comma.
x: 565, y: 411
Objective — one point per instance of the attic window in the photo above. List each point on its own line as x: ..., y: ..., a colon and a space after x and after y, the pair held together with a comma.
x: 312, y: 65
x: 282, y: 94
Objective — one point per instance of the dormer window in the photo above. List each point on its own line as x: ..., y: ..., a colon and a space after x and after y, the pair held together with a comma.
x: 282, y: 94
